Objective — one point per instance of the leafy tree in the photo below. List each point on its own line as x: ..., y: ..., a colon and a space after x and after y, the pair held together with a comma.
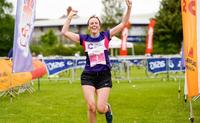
x: 47, y: 42
x: 67, y: 51
x: 168, y: 28
x: 113, y: 11
x: 49, y: 45
x: 6, y: 27
x: 49, y: 38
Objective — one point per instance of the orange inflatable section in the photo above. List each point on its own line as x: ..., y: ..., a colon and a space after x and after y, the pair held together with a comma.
x: 39, y: 69
x: 10, y: 80
x: 5, y: 74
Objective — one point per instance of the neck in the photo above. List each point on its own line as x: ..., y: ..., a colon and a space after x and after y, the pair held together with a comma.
x: 95, y: 35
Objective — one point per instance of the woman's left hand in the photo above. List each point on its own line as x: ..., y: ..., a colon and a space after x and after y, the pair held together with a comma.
x: 129, y: 3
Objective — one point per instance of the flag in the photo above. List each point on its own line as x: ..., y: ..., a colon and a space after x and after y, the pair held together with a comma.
x: 149, y: 39
x: 198, y: 40
x: 124, y: 37
x: 191, y: 27
x: 24, y: 24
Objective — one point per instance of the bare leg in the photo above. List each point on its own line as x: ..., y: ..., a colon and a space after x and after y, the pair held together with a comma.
x: 102, y: 99
x: 89, y: 94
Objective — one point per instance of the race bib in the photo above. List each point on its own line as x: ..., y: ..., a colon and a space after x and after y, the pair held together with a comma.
x: 96, y: 57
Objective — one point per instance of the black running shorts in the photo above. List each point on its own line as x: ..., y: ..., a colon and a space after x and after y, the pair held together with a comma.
x: 97, y: 79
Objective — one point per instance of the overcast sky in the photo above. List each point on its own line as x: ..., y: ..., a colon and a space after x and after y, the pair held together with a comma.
x: 56, y: 8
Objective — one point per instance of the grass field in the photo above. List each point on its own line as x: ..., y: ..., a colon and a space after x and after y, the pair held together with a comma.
x: 152, y: 101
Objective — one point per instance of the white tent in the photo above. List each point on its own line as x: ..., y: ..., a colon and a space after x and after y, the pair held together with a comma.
x: 115, y: 43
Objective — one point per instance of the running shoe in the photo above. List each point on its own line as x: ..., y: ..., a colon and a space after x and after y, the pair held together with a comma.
x: 108, y: 114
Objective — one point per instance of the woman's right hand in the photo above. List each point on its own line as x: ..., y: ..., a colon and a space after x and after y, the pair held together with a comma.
x: 72, y: 14
x: 129, y: 3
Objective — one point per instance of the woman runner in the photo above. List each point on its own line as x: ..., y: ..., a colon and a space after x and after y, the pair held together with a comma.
x: 96, y: 77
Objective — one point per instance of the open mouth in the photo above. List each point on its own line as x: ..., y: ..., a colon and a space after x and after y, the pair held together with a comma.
x: 94, y: 28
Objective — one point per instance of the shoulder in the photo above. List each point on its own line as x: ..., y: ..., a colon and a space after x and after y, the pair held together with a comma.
x: 106, y: 34
x: 84, y: 37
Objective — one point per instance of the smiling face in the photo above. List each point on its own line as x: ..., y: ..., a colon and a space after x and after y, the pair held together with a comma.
x: 94, y: 26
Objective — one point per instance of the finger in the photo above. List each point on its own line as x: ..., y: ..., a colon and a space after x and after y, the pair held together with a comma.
x: 74, y: 12
x: 129, y: 2
x: 126, y: 2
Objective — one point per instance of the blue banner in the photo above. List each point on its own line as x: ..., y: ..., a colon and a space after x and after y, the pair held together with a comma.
x: 114, y: 61
x: 158, y: 65
x: 55, y: 66
x: 175, y: 64
x: 24, y: 24
x: 136, y: 39
x: 137, y: 62
x: 80, y: 62
x: 154, y: 65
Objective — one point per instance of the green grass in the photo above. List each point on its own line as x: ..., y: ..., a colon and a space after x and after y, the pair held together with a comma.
x: 152, y: 101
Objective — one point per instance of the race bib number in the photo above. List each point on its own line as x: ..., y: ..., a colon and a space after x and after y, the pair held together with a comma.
x: 97, y: 57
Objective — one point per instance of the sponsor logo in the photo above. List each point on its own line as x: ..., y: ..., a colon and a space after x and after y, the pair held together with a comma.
x: 191, y: 54
x: 171, y: 64
x: 90, y: 46
x: 55, y: 65
x: 157, y: 64
x: 81, y: 62
x: 69, y: 63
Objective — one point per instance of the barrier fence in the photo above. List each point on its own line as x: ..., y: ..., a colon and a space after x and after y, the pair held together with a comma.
x: 127, y: 68
x: 124, y: 69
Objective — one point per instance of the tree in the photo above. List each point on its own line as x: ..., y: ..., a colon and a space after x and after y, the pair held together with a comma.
x: 49, y: 45
x: 49, y: 38
x: 6, y: 27
x: 168, y: 28
x: 113, y: 11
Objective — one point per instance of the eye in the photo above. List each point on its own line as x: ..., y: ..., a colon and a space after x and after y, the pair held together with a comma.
x: 91, y: 23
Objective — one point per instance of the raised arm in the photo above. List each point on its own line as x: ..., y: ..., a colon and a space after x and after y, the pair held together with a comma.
x: 65, y: 30
x: 125, y: 19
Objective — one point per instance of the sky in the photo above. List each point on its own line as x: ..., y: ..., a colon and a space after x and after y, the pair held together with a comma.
x: 53, y: 9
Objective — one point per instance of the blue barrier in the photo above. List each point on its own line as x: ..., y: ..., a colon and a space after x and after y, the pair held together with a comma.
x: 159, y: 65
x: 55, y: 66
x: 154, y: 65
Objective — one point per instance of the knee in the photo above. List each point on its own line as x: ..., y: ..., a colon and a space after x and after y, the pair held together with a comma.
x: 101, y: 108
x: 92, y: 107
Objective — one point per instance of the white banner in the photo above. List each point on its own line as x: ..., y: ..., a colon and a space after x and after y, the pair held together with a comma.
x: 24, y: 24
